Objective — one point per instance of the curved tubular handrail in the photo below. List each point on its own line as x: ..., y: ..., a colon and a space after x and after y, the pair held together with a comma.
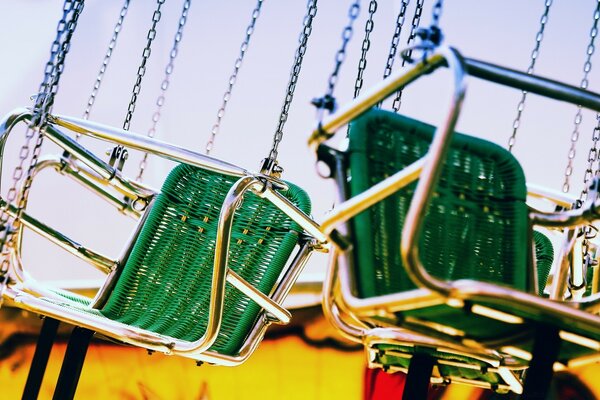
x: 102, y: 169
x: 146, y: 144
x: 101, y: 262
x: 6, y: 126
x: 468, y: 289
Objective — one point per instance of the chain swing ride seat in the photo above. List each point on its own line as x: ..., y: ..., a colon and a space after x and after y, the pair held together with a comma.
x: 216, y: 250
x: 473, y: 285
x: 454, y: 363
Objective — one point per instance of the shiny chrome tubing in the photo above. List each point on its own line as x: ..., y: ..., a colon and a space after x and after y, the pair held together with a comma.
x: 104, y: 170
x: 533, y: 84
x: 292, y: 211
x: 330, y: 308
x: 6, y: 126
x: 88, y: 180
x: 97, y: 165
x: 558, y: 198
x: 282, y: 315
x: 217, y: 295
x: 258, y: 331
x: 428, y: 180
x: 371, y: 196
x: 560, y: 277
x: 373, y: 96
x: 150, y: 340
x: 99, y: 261
x: 146, y: 144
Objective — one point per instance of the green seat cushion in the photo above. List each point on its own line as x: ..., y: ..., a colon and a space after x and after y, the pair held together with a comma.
x: 476, y: 225
x: 166, y: 282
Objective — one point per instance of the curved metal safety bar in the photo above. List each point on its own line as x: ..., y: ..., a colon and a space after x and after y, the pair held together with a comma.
x: 103, y: 171
x: 146, y: 144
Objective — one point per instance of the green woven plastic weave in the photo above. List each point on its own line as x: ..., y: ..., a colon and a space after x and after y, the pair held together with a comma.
x: 165, y: 284
x: 544, y: 256
x: 476, y: 226
x: 385, y: 357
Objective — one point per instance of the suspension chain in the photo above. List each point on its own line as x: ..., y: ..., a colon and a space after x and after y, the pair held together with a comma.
x: 327, y: 102
x: 366, y: 45
x: 587, y: 67
x: 396, y: 38
x: 436, y: 13
x: 142, y: 68
x: 105, y: 62
x: 270, y: 163
x: 160, y: 101
x: 534, y: 56
x: 42, y: 108
x: 119, y: 152
x: 233, y: 78
x: 416, y: 21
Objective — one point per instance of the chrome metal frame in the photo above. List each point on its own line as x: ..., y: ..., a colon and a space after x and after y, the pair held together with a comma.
x: 361, y: 330
x: 427, y: 170
x: 105, y: 180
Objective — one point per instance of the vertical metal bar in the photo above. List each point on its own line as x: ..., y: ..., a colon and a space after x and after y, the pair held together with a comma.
x: 40, y: 358
x: 72, y: 364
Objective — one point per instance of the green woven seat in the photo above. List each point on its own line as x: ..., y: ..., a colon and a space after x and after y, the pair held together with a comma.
x: 165, y: 284
x: 476, y: 226
x: 478, y: 213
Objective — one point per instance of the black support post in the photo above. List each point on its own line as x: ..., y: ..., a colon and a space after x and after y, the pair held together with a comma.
x: 545, y: 352
x: 418, y: 378
x: 40, y: 359
x: 72, y: 364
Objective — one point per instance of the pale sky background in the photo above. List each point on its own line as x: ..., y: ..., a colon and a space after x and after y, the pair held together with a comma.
x: 502, y: 32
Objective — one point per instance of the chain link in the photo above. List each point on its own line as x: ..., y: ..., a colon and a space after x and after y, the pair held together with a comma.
x: 587, y: 67
x: 233, y: 78
x: 340, y: 56
x: 142, y: 68
x: 42, y: 108
x: 366, y: 45
x: 295, y: 73
x: 534, y: 56
x: 400, y: 20
x: 160, y: 101
x: 416, y: 21
x: 436, y: 12
x: 105, y: 62
x: 592, y: 158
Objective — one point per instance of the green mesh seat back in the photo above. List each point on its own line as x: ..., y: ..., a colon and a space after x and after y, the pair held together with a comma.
x: 476, y: 225
x: 165, y: 284
x: 544, y: 256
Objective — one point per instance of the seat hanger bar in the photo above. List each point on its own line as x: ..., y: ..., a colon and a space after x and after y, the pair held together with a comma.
x: 139, y: 142
x: 532, y: 83
x: 479, y: 69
